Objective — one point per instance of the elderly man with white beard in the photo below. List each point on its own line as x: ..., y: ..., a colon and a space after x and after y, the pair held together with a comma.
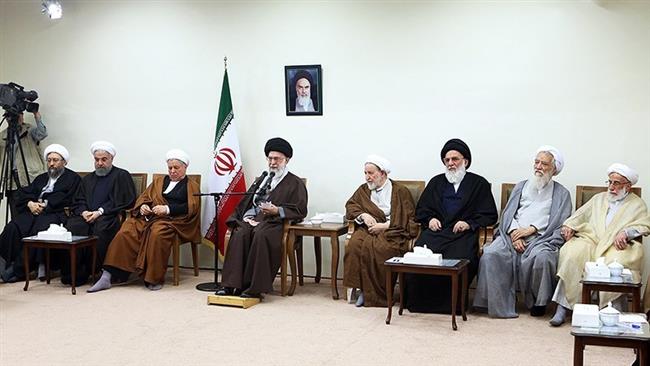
x: 452, y: 208
x: 384, y: 212
x: 609, y: 225
x: 527, y: 243
x: 303, y: 83
x: 254, y: 253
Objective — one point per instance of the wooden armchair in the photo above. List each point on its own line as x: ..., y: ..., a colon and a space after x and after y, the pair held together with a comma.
x: 177, y: 245
x: 585, y: 193
x: 488, y: 232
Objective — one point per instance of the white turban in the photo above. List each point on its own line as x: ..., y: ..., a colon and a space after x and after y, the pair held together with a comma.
x: 179, y: 155
x: 102, y: 145
x: 380, y: 162
x: 557, y: 156
x: 625, y: 171
x: 59, y: 149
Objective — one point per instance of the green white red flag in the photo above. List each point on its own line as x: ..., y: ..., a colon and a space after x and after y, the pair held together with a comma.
x: 225, y: 173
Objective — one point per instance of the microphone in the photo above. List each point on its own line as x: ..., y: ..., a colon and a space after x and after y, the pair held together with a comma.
x: 262, y: 192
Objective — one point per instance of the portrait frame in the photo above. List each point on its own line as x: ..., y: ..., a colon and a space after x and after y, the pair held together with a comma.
x: 305, y: 74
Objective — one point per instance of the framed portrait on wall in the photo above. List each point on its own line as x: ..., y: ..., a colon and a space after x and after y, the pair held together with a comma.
x: 303, y: 90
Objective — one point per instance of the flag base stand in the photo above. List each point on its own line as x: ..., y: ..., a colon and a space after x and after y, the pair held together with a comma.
x: 207, y: 286
x: 234, y: 301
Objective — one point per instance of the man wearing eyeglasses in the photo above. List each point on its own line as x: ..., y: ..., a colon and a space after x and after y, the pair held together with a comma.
x: 452, y: 208
x: 38, y: 205
x: 609, y: 225
x: 254, y: 252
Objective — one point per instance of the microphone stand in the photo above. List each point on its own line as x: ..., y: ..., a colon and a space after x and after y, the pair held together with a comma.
x: 214, y: 286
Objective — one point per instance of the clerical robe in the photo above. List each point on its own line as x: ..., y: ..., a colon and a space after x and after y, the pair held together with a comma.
x: 502, y: 269
x: 27, y: 224
x: 473, y: 203
x: 366, y: 253
x: 114, y: 193
x: 594, y: 239
x: 143, y: 244
x: 254, y: 253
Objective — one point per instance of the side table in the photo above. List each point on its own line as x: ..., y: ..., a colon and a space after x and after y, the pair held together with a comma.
x: 449, y: 267
x: 332, y: 231
x: 77, y: 242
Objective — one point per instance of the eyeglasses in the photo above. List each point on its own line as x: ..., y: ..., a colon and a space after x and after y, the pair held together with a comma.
x: 53, y: 160
x: 615, y: 183
x: 455, y: 159
x: 275, y: 158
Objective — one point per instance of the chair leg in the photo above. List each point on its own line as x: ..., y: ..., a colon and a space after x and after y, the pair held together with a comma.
x: 176, y: 261
x: 195, y: 259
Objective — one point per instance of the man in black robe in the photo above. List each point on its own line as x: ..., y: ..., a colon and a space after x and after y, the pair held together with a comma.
x: 452, y: 208
x: 102, y: 196
x: 254, y: 253
x: 38, y: 205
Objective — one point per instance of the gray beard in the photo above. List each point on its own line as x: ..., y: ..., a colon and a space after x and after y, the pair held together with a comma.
x: 278, y: 172
x: 304, y: 101
x: 616, y: 197
x: 371, y: 186
x: 454, y: 177
x: 102, y: 172
x: 539, y: 183
x: 54, y: 173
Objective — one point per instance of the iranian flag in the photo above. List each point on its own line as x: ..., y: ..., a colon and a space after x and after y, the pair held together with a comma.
x: 226, y: 173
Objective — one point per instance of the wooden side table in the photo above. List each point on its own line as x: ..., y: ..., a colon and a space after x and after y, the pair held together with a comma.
x: 612, y: 285
x: 77, y: 242
x: 600, y: 337
x: 452, y: 269
x: 333, y: 231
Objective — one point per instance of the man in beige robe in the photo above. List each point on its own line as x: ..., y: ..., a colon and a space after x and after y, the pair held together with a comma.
x: 384, y: 213
x: 609, y: 225
x: 166, y: 212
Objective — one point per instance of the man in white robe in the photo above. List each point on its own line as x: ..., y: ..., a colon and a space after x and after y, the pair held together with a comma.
x: 609, y: 225
x: 527, y: 243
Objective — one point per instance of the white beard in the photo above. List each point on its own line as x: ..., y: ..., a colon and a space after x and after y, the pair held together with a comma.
x: 371, y: 186
x: 456, y: 176
x: 278, y: 171
x: 616, y: 197
x: 304, y: 101
x: 539, y: 182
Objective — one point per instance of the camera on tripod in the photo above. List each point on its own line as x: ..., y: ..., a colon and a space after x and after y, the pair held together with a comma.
x: 14, y: 99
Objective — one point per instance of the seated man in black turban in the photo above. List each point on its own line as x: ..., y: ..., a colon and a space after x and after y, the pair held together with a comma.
x: 254, y: 253
x: 453, y: 206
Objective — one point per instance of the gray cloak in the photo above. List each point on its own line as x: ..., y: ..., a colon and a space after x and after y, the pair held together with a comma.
x: 502, y: 270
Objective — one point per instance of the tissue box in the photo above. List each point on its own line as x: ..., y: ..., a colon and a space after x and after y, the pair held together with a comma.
x: 44, y: 235
x: 596, y: 270
x: 585, y: 315
x: 412, y: 258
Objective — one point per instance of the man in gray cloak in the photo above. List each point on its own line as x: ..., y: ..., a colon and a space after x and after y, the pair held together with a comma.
x: 527, y: 243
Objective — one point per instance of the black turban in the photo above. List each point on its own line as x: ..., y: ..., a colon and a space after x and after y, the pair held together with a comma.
x: 303, y: 74
x: 280, y: 145
x: 458, y: 145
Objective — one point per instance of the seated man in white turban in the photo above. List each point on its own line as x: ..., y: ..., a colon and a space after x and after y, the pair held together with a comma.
x: 166, y: 212
x: 38, y: 205
x: 609, y: 225
x: 384, y: 212
x: 101, y: 197
x: 527, y: 243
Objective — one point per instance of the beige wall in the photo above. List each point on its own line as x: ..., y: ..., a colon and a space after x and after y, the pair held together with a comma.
x: 399, y: 80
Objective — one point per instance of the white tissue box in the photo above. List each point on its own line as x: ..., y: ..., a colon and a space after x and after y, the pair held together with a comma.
x: 44, y: 235
x: 412, y: 258
x: 585, y: 315
x: 596, y: 270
